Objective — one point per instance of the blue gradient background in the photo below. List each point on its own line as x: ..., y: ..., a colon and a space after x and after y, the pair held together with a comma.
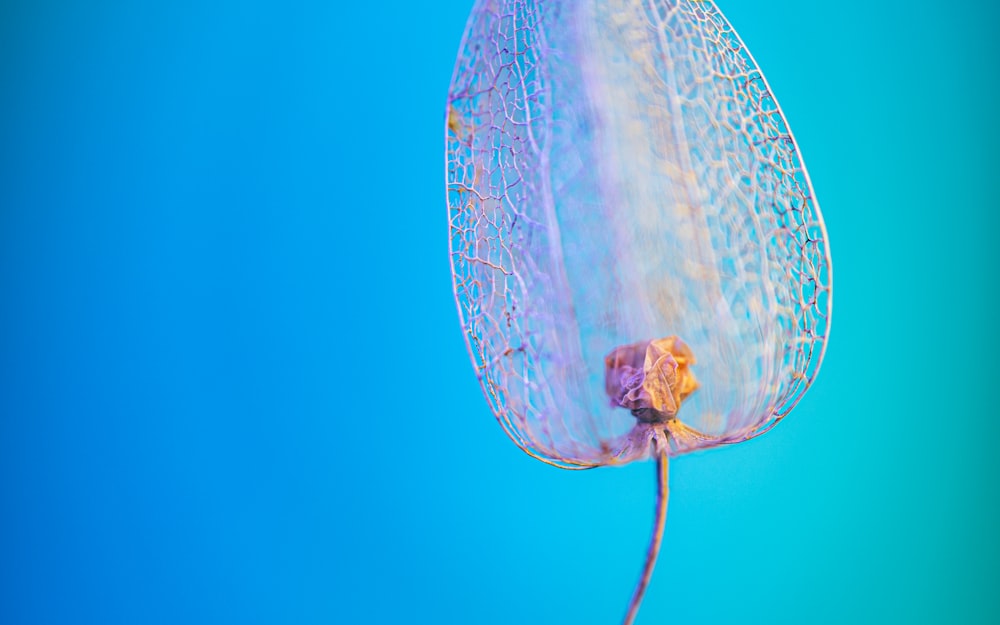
x: 233, y: 388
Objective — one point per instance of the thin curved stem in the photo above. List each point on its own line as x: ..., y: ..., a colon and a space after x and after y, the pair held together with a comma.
x: 662, y: 495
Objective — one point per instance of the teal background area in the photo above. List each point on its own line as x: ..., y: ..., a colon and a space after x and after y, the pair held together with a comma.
x: 233, y: 387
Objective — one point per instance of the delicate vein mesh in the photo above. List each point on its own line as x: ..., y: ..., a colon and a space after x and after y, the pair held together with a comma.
x: 618, y: 171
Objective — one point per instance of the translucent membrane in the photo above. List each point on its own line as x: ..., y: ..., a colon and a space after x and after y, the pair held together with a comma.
x: 617, y: 173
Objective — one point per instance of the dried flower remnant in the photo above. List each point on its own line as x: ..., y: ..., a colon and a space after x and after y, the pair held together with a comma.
x: 650, y: 378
